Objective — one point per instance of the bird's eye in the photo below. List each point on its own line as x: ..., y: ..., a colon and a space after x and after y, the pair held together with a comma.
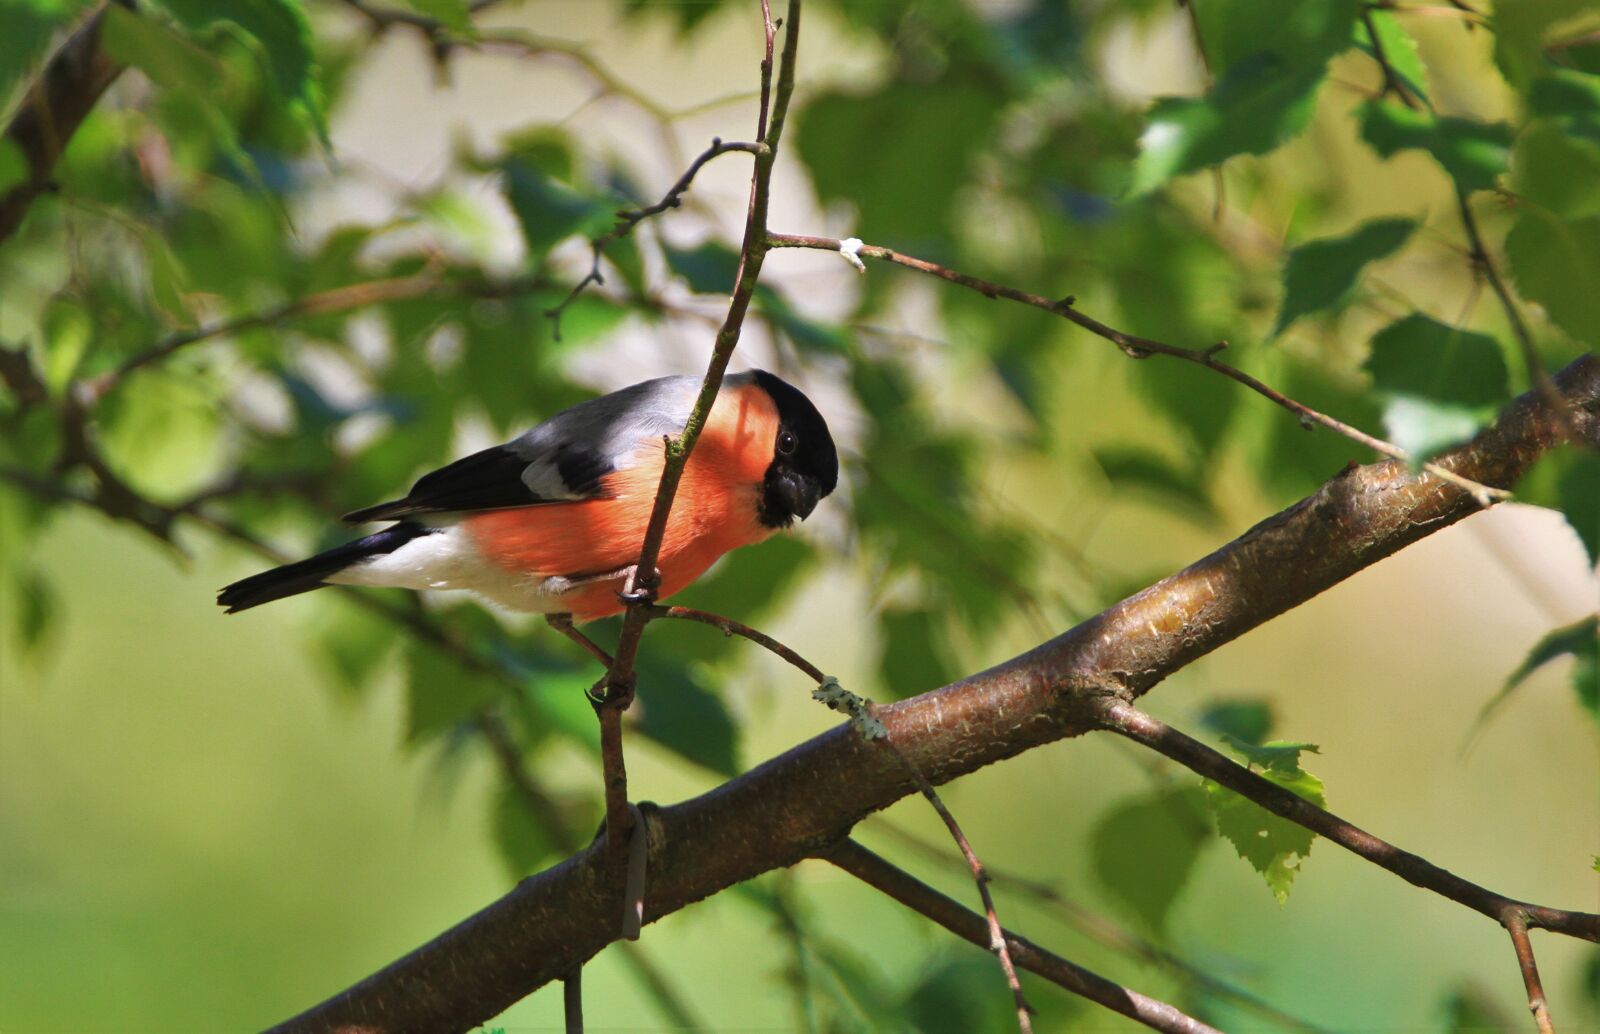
x: 786, y: 443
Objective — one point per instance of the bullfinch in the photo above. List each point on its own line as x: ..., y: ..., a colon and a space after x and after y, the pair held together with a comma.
x: 553, y: 520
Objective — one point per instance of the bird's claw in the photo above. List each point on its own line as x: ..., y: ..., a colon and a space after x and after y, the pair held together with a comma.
x: 640, y: 591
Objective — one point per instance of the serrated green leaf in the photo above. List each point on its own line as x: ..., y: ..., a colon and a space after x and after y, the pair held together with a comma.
x: 1440, y: 383
x: 1321, y: 274
x: 1269, y: 60
x: 1399, y: 50
x: 1473, y: 153
x: 1145, y: 849
x: 1274, y: 846
x: 1556, y: 262
x: 1567, y: 479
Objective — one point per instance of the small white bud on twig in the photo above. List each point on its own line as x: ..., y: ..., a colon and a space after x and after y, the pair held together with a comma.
x: 850, y: 248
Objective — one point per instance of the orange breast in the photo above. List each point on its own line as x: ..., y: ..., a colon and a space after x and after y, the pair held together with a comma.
x: 714, y: 511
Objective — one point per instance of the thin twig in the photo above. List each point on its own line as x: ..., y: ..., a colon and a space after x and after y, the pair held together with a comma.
x: 752, y: 252
x: 1136, y: 347
x: 970, y: 926
x: 572, y: 1001
x: 980, y: 876
x: 1126, y: 720
x: 1107, y: 931
x: 1516, y: 925
x: 629, y: 218
x: 337, y: 299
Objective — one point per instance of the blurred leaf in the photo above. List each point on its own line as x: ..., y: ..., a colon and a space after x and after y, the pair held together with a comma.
x: 167, y: 58
x: 808, y: 335
x: 961, y: 994
x: 1320, y: 274
x: 1299, y: 458
x: 681, y: 714
x: 1145, y: 470
x: 1441, y: 383
x: 1144, y: 850
x: 1556, y: 262
x: 13, y: 164
x: 1269, y: 60
x: 709, y: 267
x: 559, y: 698
x: 1568, y: 479
x: 1399, y: 50
x: 452, y: 14
x: 355, y: 642
x: 1519, y: 29
x: 1473, y: 153
x: 858, y: 149
x: 916, y: 653
x: 1557, y: 170
x: 38, y: 611
x: 281, y: 30
x: 747, y: 583
x: 1249, y: 721
x: 1471, y: 1010
x: 29, y: 24
x: 547, y: 210
x: 440, y: 693
x: 524, y: 844
x: 1274, y: 847
x: 1579, y: 640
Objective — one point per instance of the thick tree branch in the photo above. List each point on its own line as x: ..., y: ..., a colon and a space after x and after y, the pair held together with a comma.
x: 55, y: 105
x: 1136, y: 347
x: 970, y: 926
x: 805, y: 802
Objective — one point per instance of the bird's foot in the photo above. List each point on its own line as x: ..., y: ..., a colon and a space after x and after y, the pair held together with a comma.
x: 639, y: 590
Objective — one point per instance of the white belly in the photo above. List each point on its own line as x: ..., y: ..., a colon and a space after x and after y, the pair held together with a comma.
x: 448, y: 559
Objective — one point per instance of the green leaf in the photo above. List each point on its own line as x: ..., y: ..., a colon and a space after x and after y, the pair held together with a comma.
x: 1145, y: 470
x: 454, y: 15
x: 170, y: 61
x: 1274, y: 846
x: 1580, y: 641
x: 38, y: 611
x: 1556, y: 262
x: 858, y: 149
x: 1440, y: 383
x: 355, y: 642
x: 684, y: 716
x: 1249, y: 721
x: 1145, y: 849
x: 283, y: 34
x: 13, y: 164
x: 1269, y: 60
x: 440, y: 693
x: 1399, y: 50
x: 1473, y: 153
x: 709, y: 267
x: 1519, y: 34
x: 1557, y: 170
x: 29, y: 24
x: 525, y: 844
x: 916, y: 652
x: 1568, y: 479
x: 1321, y: 274
x: 548, y: 211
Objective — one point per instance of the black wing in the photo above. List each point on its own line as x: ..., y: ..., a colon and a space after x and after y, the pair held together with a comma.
x: 497, y: 478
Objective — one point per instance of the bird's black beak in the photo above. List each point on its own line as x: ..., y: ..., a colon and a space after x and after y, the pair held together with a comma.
x: 799, y: 493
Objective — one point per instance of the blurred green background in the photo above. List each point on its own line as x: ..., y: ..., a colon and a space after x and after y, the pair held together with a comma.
x: 210, y: 823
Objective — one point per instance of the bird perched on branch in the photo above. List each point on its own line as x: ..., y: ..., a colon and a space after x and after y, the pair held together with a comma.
x: 553, y: 521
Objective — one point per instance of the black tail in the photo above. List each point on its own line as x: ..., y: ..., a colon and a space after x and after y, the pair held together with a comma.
x: 305, y: 575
